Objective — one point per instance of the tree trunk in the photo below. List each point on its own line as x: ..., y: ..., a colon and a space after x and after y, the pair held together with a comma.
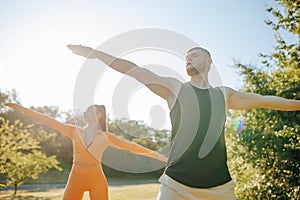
x: 16, y: 188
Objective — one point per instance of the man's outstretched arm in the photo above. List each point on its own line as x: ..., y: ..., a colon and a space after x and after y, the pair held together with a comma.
x: 244, y: 100
x: 164, y: 87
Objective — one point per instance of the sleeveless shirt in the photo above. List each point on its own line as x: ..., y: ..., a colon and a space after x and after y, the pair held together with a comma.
x: 198, y: 152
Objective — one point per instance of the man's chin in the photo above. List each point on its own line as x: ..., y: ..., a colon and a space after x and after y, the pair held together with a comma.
x: 191, y: 71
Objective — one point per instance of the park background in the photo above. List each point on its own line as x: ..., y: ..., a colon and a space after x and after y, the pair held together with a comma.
x: 255, y: 48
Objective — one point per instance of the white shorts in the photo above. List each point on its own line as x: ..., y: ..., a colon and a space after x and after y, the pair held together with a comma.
x: 173, y: 190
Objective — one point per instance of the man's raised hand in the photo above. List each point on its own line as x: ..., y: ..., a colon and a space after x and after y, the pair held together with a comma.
x: 84, y: 51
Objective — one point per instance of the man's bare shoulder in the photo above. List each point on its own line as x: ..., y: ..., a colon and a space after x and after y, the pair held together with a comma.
x: 226, y: 90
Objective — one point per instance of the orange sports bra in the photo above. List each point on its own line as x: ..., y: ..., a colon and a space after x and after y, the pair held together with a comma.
x: 91, y: 154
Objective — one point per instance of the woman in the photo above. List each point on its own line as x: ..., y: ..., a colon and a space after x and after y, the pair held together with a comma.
x: 89, y: 143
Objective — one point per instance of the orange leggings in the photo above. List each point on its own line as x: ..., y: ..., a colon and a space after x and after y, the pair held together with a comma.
x: 86, y: 178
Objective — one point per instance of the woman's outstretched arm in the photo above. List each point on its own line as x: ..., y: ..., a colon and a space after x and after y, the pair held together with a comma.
x: 44, y: 119
x: 134, y: 148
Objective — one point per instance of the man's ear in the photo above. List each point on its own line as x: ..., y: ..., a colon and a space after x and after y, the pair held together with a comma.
x: 209, y: 61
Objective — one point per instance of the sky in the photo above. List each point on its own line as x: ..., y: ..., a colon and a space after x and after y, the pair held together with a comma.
x: 35, y: 62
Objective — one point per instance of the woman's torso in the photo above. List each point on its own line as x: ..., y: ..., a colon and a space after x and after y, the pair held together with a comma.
x: 91, y: 154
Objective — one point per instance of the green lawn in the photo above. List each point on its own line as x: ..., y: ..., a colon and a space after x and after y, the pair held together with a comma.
x: 126, y: 192
x: 134, y: 192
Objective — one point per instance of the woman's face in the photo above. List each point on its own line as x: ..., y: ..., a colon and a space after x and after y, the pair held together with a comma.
x: 92, y: 114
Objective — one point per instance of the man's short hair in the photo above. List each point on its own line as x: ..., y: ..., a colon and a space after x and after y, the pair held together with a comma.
x: 200, y: 48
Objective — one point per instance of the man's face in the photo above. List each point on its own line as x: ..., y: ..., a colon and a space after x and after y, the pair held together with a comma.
x: 197, y: 61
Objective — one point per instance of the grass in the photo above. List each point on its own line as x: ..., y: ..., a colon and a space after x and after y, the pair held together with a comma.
x: 134, y: 192
x: 51, y: 177
x: 60, y: 177
x: 125, y: 192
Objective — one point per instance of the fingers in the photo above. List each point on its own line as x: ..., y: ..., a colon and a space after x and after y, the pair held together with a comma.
x: 165, y: 159
x: 9, y: 104
x: 81, y: 50
x: 73, y: 47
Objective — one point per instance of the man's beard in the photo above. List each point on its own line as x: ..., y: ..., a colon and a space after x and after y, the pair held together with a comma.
x: 191, y: 71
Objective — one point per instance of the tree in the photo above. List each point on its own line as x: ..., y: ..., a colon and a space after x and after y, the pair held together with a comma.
x: 7, y: 96
x: 51, y: 142
x: 139, y: 132
x: 271, y: 138
x: 20, y: 155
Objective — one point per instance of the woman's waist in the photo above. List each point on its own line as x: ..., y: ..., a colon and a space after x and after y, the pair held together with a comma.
x: 84, y: 157
x: 84, y: 163
x: 81, y: 160
x: 86, y: 169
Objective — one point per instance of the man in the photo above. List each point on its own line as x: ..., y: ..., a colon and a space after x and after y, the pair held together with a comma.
x: 197, y: 166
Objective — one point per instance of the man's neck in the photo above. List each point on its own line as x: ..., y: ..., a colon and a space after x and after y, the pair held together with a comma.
x: 200, y: 81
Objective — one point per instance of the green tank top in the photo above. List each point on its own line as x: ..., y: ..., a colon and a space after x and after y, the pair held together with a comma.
x: 198, y: 153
